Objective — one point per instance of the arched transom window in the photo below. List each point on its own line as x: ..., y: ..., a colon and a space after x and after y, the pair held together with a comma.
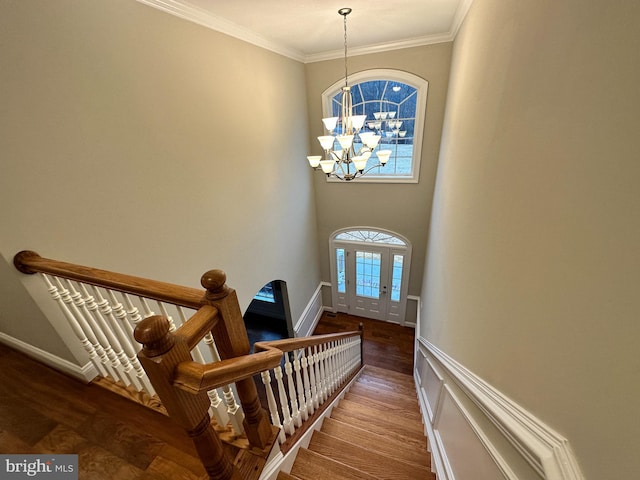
x: 395, y: 105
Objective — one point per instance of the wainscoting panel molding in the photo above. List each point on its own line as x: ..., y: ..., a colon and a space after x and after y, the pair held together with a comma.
x: 311, y: 316
x: 477, y: 432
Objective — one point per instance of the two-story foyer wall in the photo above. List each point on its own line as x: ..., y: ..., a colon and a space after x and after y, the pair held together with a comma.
x: 142, y: 143
x: 402, y: 208
x: 534, y: 254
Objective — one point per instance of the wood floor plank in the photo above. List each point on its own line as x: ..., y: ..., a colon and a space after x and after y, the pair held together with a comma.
x: 313, y: 466
x: 379, y: 443
x: 366, y: 460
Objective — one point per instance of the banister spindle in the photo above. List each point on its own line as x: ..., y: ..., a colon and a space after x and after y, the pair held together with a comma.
x: 312, y: 360
x: 229, y: 410
x: 75, y: 326
x: 273, y: 407
x: 160, y: 355
x: 302, y: 403
x: 293, y: 399
x: 129, y: 353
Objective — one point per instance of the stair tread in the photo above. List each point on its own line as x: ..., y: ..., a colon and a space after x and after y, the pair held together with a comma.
x: 310, y: 465
x: 380, y: 443
x: 379, y: 403
x: 381, y: 428
x: 377, y: 414
x: 285, y: 476
x: 388, y: 374
x: 362, y: 458
x: 393, y: 398
x: 392, y: 386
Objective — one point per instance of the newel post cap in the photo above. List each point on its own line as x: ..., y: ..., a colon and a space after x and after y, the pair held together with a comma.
x: 214, y: 282
x: 153, y: 334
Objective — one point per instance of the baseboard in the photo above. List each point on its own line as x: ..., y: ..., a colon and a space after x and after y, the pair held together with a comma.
x: 494, y: 437
x: 85, y: 373
x: 310, y: 317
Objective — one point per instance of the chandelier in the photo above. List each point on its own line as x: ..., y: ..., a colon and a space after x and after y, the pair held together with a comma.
x: 347, y: 159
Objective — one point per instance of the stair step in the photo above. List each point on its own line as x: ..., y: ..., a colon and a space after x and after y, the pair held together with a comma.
x: 387, y: 375
x: 392, y: 398
x: 379, y: 403
x: 375, y: 415
x: 285, y: 476
x: 380, y: 427
x: 313, y: 466
x: 365, y: 460
x: 379, y: 443
x: 386, y: 385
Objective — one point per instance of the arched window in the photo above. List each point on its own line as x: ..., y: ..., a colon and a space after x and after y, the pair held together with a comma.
x: 370, y: 273
x: 395, y: 105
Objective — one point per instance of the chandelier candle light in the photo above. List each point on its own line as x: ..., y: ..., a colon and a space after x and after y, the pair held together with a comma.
x: 344, y: 162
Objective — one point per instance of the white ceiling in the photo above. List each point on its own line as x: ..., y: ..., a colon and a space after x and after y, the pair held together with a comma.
x: 312, y: 30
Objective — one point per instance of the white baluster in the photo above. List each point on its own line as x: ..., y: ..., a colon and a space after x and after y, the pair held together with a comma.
x: 112, y: 348
x: 65, y: 295
x: 342, y: 359
x: 273, y: 408
x: 284, y: 404
x: 302, y: 403
x: 217, y: 409
x: 304, y: 364
x: 331, y: 368
x: 234, y: 412
x: 128, y: 353
x: 312, y: 361
x: 100, y: 334
x: 322, y: 355
x: 146, y: 308
x: 293, y: 400
x: 165, y: 313
x: 121, y: 314
x: 75, y: 326
x: 236, y: 416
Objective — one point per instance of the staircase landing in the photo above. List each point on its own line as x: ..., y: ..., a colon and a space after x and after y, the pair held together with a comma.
x: 375, y: 432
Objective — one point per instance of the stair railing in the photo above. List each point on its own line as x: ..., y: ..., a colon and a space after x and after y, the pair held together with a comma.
x: 104, y: 308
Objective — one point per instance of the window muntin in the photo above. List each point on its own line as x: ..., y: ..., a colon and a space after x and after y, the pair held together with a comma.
x: 372, y: 236
x: 395, y: 105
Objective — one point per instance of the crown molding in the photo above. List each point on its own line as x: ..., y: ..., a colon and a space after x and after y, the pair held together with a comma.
x: 219, y: 24
x: 222, y: 25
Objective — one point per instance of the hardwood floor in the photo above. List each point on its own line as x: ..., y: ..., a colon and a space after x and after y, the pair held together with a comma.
x: 44, y: 411
x: 386, y: 345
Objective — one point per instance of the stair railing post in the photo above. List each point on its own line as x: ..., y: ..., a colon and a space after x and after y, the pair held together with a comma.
x: 160, y: 355
x: 232, y: 341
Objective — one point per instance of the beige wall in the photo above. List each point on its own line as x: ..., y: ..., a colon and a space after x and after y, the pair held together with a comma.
x: 138, y: 142
x: 534, y: 260
x: 402, y: 208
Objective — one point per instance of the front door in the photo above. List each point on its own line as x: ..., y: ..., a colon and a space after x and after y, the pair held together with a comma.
x: 370, y: 271
x: 368, y: 279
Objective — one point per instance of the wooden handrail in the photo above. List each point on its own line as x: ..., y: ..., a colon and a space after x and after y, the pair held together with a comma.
x: 196, y: 378
x: 291, y: 344
x: 30, y: 262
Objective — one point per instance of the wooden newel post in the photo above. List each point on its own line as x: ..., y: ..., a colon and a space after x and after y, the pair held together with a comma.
x: 232, y: 341
x: 160, y: 355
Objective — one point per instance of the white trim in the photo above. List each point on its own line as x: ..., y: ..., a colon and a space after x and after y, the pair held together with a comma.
x: 310, y: 317
x: 422, y: 87
x: 86, y: 373
x: 222, y: 25
x: 548, y: 452
x: 381, y: 47
x: 285, y: 462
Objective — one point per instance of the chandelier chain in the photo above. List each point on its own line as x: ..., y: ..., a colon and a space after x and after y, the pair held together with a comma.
x: 346, y: 82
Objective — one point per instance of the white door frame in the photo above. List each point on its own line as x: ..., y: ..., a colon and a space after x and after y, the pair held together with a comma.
x: 399, y: 245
